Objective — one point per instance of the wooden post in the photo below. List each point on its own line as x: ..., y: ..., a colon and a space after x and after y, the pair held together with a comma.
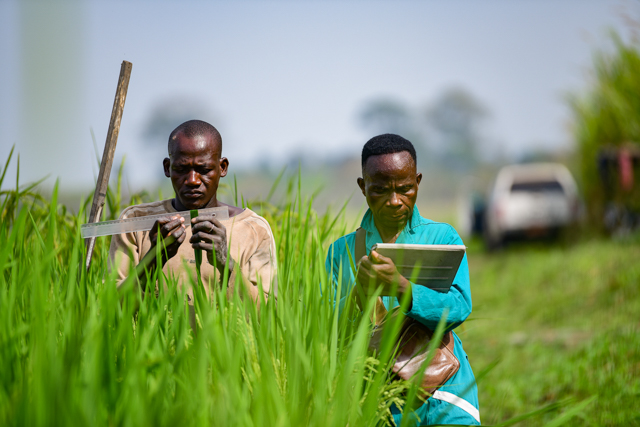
x: 107, y: 157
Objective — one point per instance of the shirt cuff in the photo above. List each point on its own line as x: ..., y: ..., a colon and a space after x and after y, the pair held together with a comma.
x: 418, y: 294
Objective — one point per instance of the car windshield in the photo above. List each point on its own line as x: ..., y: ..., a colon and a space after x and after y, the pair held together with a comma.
x: 549, y: 186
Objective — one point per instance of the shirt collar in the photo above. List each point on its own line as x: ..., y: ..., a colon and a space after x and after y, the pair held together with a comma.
x: 369, y: 225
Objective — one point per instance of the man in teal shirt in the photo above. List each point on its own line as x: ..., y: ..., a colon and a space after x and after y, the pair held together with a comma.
x: 390, y: 184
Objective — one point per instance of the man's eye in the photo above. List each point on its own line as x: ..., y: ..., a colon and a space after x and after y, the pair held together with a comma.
x: 405, y: 189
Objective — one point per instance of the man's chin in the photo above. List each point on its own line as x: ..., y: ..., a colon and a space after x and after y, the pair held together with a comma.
x: 192, y: 203
x: 391, y: 220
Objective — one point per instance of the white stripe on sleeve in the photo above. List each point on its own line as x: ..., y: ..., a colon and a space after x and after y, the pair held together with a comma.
x: 457, y: 401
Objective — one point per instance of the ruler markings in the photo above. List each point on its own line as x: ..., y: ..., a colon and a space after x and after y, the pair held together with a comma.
x: 143, y: 223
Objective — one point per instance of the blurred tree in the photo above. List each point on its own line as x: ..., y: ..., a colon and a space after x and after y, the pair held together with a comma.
x: 387, y: 115
x: 164, y: 117
x: 455, y: 119
x: 167, y: 114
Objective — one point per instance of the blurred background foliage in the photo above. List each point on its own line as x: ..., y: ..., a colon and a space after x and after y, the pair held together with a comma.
x: 607, y: 132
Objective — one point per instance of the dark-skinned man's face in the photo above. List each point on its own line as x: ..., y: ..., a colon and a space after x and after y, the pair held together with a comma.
x: 195, y: 167
x: 390, y: 184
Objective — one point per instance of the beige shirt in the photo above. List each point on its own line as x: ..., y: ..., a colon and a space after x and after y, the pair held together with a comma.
x: 251, y: 245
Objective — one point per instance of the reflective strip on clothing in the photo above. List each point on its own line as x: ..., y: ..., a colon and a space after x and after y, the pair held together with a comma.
x: 457, y: 401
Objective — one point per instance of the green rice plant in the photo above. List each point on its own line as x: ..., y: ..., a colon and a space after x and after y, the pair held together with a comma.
x: 76, y: 351
x: 12, y: 200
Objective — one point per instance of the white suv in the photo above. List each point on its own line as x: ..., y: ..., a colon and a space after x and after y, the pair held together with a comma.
x: 530, y: 200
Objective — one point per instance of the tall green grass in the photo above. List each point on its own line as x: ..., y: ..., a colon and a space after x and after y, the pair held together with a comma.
x: 75, y: 351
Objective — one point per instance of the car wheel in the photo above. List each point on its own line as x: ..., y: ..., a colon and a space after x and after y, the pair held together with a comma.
x: 492, y: 243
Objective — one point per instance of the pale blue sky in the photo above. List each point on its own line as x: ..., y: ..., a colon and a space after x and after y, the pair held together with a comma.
x: 279, y: 76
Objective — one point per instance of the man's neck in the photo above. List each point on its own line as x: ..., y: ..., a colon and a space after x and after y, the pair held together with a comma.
x: 388, y: 235
x: 213, y: 203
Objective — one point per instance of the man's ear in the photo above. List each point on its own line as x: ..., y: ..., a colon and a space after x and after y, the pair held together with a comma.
x: 166, y: 163
x: 361, y: 185
x: 224, y: 166
x: 418, y: 178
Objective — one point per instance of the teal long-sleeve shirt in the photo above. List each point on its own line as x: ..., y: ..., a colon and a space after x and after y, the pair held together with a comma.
x: 428, y: 306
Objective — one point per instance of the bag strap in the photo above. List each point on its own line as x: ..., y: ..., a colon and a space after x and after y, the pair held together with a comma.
x: 380, y: 311
x: 361, y: 243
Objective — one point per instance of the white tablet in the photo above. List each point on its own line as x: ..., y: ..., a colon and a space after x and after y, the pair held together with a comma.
x: 433, y: 266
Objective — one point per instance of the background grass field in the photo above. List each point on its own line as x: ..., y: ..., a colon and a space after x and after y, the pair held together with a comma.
x: 562, y: 323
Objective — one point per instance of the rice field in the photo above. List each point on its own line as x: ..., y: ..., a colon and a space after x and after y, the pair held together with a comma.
x: 75, y: 352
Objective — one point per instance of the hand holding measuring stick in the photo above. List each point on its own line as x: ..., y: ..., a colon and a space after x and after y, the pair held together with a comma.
x: 211, y: 236
x: 173, y: 234
x: 168, y: 226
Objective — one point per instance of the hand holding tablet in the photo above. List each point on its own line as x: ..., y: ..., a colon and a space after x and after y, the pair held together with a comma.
x: 436, y: 265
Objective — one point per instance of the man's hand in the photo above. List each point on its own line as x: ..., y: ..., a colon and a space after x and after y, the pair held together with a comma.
x: 379, y: 271
x: 210, y: 235
x: 174, y: 226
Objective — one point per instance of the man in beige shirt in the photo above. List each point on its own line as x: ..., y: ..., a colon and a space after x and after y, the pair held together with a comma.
x: 242, y: 244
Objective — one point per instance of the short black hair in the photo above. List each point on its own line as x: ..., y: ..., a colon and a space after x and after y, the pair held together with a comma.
x: 387, y: 143
x: 193, y: 128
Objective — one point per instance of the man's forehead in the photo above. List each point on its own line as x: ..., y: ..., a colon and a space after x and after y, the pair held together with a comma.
x: 178, y: 159
x: 200, y: 145
x: 391, y: 163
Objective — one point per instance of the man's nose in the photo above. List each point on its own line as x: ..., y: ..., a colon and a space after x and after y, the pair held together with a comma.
x: 193, y: 178
x: 394, y: 200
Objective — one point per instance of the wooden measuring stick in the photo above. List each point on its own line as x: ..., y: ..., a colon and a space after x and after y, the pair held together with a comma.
x: 100, y: 194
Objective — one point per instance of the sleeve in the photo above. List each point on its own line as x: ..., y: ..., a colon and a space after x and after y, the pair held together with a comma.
x: 338, y: 273
x: 332, y: 274
x: 428, y: 305
x: 261, y: 267
x: 123, y: 253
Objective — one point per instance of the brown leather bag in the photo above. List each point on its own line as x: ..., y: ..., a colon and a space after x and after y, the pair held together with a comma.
x: 413, y: 342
